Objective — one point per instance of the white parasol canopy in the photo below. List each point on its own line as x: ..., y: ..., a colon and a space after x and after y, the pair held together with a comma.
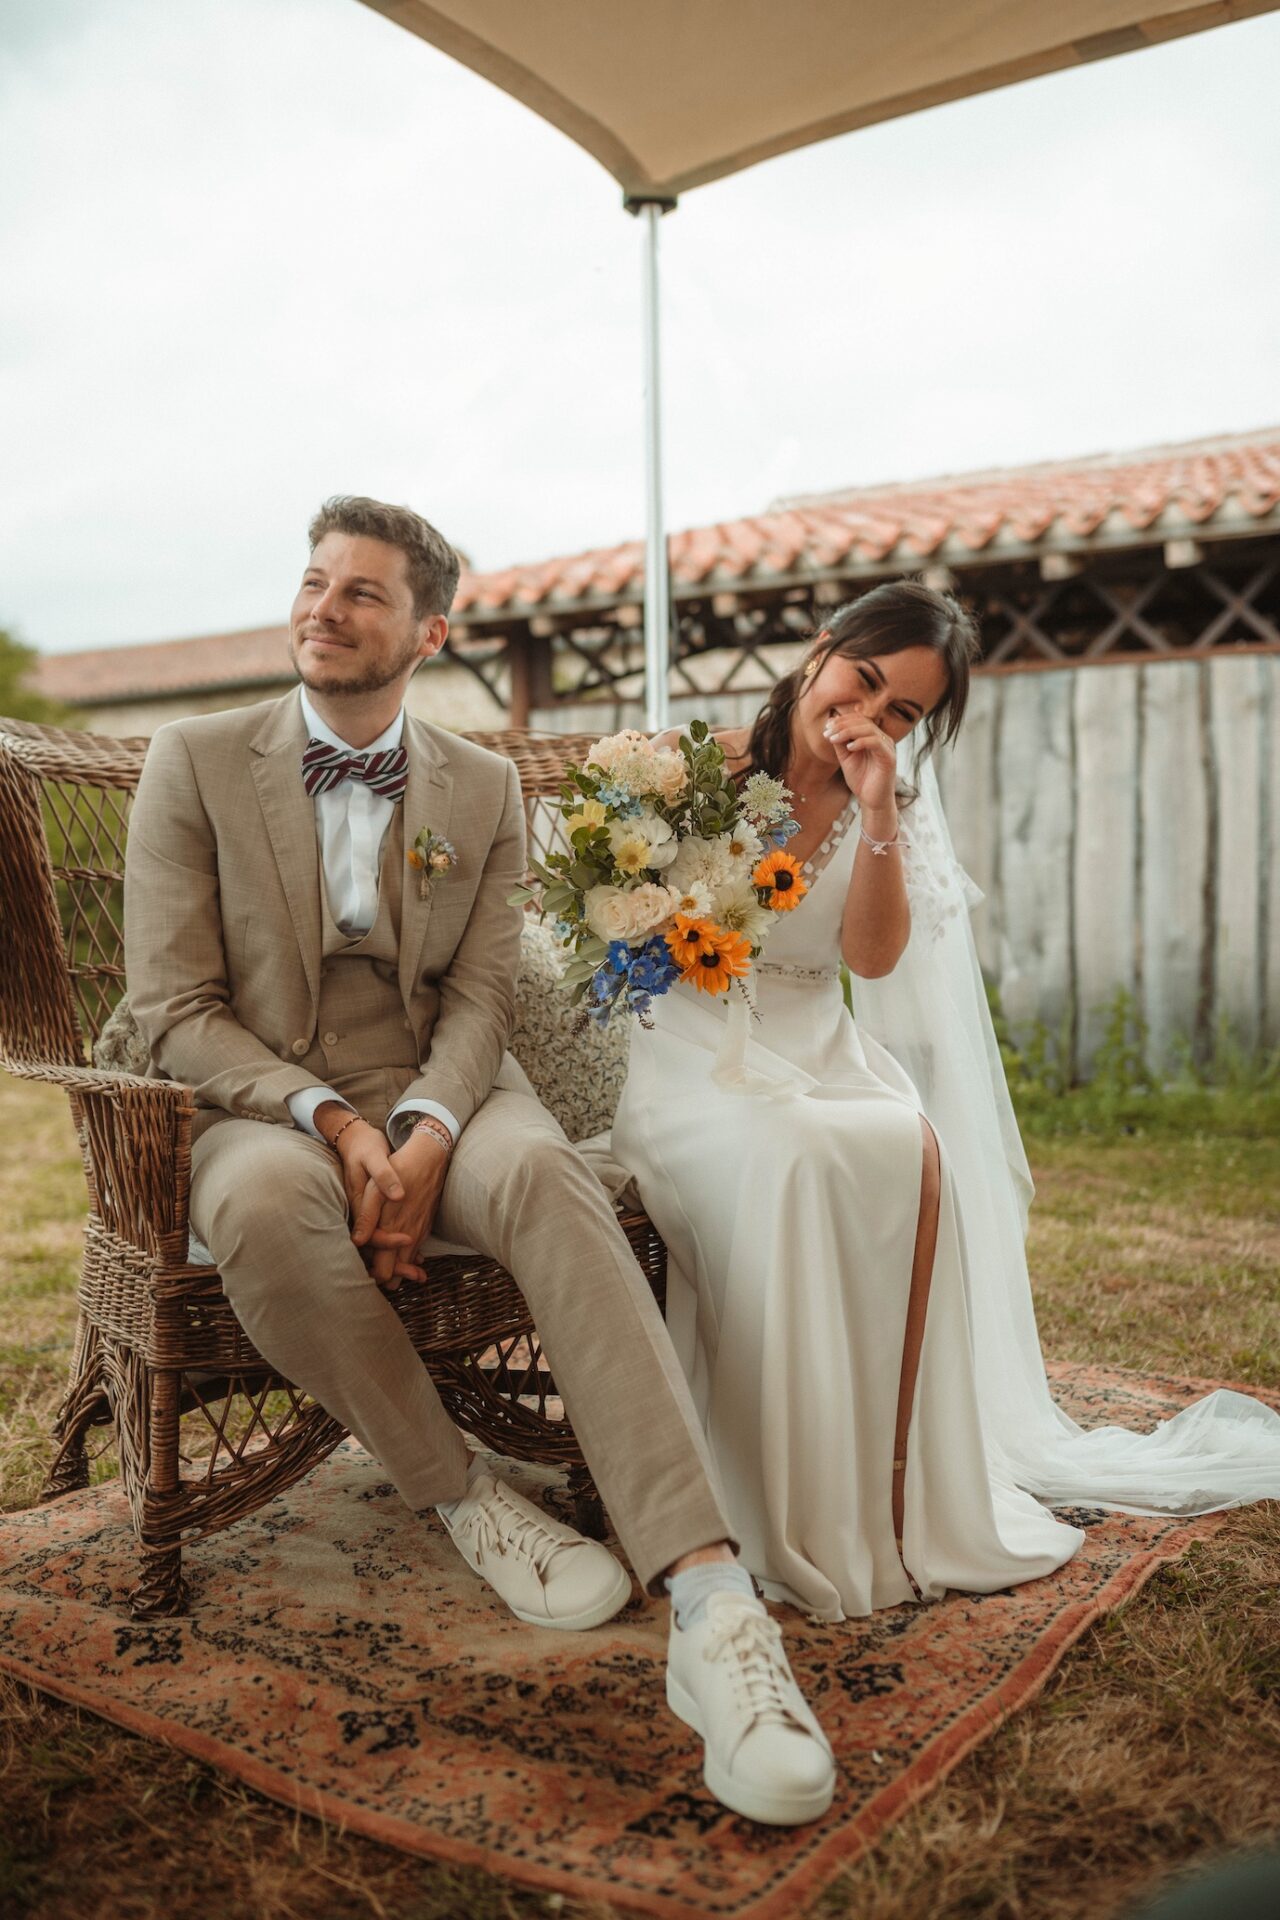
x: 669, y: 94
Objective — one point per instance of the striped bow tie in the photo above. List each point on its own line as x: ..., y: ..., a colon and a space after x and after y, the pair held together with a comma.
x: 325, y: 767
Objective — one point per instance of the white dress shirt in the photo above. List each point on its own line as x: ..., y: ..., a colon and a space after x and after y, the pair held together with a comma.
x: 351, y: 826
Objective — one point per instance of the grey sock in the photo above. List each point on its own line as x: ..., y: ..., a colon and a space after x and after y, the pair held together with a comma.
x: 691, y: 1590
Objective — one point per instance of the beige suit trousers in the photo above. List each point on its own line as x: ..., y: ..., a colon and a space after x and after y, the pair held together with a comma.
x: 269, y: 1203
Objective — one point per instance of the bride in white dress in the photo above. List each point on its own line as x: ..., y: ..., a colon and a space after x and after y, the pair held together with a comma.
x: 844, y: 1200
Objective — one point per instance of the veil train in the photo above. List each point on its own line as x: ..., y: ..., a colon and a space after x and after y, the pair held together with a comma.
x: 931, y: 1014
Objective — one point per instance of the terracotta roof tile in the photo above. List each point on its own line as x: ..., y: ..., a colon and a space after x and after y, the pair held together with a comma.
x: 259, y: 656
x: 1058, y: 503
x: 211, y: 663
x: 1037, y: 508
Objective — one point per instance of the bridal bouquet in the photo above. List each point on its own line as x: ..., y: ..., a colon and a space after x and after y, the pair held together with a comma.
x: 676, y: 874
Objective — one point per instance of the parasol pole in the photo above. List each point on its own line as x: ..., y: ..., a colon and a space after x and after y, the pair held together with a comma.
x: 657, y: 582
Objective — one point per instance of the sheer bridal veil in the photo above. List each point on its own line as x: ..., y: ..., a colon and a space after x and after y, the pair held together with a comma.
x: 931, y: 1014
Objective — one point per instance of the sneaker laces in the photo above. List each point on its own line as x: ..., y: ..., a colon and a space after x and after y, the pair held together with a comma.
x: 495, y: 1526
x: 759, y: 1663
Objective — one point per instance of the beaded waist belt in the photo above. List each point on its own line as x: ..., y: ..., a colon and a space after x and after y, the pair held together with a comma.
x: 810, y: 976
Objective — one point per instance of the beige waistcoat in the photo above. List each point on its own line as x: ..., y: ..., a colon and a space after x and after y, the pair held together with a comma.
x: 364, y: 1045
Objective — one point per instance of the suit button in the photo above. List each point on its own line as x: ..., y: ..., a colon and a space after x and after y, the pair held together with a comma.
x: 408, y: 1026
x: 331, y: 1039
x: 299, y: 1046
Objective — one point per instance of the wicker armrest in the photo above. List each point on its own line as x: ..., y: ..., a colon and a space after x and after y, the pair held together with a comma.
x: 136, y: 1138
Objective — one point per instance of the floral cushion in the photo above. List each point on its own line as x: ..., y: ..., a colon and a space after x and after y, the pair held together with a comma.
x: 577, y: 1076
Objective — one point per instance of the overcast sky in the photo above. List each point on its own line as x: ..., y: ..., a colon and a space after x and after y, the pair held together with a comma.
x: 253, y: 252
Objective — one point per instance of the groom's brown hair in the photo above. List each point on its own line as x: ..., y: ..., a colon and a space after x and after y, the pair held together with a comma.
x: 430, y: 561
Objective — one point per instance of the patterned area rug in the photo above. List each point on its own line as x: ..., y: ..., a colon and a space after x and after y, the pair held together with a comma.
x: 340, y: 1658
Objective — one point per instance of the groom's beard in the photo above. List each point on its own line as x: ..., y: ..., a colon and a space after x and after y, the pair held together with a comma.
x: 319, y: 678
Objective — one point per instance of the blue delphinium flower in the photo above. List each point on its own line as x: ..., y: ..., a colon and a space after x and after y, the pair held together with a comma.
x: 624, y: 804
x: 604, y: 993
x: 653, y: 969
x: 651, y: 972
x: 632, y: 974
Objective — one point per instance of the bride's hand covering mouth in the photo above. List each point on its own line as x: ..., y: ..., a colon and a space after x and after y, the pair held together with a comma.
x: 866, y: 757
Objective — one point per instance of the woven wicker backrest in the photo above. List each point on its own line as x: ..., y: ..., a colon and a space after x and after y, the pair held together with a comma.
x: 64, y: 815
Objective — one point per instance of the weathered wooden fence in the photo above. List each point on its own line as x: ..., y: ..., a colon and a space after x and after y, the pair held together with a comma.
x: 1124, y: 824
x: 1122, y: 821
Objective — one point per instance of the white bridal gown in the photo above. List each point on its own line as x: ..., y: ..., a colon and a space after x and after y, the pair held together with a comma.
x: 785, y: 1180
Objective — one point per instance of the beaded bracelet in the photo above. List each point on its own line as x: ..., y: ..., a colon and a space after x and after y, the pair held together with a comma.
x: 341, y: 1130
x: 436, y: 1128
x: 878, y: 846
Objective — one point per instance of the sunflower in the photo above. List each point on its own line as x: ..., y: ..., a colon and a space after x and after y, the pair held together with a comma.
x: 688, y: 939
x: 714, y: 969
x: 778, y: 877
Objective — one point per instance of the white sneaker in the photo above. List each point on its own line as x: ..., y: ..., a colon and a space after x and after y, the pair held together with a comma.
x: 728, y: 1679
x: 547, y: 1574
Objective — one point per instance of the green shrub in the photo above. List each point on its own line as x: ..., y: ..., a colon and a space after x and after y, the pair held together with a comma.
x: 1234, y: 1092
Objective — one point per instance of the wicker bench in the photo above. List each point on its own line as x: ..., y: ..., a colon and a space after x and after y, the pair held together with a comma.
x: 206, y: 1431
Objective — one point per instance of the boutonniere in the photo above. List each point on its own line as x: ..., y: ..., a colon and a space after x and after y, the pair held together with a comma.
x: 432, y: 857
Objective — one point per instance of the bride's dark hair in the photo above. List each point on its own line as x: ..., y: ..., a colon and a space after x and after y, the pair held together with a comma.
x: 892, y: 617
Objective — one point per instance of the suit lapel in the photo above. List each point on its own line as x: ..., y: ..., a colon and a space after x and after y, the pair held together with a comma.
x: 428, y: 802
x: 290, y: 816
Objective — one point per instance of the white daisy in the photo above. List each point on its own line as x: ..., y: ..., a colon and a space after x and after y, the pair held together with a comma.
x: 743, y: 845
x: 739, y: 909
x: 694, y: 900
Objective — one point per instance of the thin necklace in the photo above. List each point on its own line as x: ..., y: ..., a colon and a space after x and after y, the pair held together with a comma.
x: 803, y: 798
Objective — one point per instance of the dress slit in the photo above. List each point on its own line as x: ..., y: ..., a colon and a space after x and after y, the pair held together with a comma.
x: 913, y: 1345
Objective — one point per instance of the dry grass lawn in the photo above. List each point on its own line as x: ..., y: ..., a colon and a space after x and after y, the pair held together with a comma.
x: 1155, y: 1747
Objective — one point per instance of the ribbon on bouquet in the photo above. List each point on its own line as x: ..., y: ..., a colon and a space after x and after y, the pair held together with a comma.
x: 730, y: 1069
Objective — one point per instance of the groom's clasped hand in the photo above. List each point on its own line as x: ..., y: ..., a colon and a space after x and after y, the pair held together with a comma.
x: 320, y: 936
x: 392, y: 1196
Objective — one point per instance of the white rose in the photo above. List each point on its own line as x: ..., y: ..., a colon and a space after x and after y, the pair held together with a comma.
x: 670, y: 775
x: 617, y: 913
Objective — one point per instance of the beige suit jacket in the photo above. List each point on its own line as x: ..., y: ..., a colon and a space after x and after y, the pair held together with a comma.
x: 222, y: 911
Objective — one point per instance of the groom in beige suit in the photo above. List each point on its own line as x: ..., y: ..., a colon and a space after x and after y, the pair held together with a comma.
x: 344, y: 1026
